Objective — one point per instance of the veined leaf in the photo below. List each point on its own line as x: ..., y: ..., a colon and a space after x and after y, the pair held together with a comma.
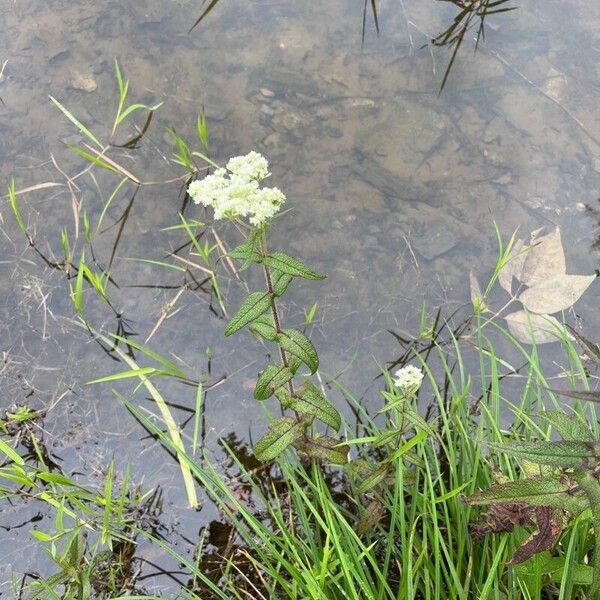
x: 555, y: 294
x: 311, y: 401
x: 252, y: 307
x: 297, y: 344
x: 569, y: 427
x: 563, y: 454
x: 290, y: 265
x: 324, y: 448
x: 272, y: 378
x: 554, y: 491
x: 529, y: 328
x: 376, y: 477
x: 264, y: 327
x: 280, y: 282
x: 283, y: 432
x: 245, y: 252
x: 544, y: 259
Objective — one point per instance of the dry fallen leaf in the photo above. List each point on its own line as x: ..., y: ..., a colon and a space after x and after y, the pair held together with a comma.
x: 555, y: 294
x: 530, y: 328
x: 545, y: 259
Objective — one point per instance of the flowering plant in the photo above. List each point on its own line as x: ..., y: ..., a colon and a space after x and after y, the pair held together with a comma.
x: 234, y: 192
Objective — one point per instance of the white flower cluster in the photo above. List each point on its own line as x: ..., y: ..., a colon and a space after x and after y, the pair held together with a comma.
x: 235, y: 191
x: 408, y: 378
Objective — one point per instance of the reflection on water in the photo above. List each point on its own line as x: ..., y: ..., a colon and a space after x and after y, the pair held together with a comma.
x: 392, y: 187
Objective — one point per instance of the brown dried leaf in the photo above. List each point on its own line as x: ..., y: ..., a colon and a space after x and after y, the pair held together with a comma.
x: 528, y: 327
x: 502, y: 518
x: 545, y: 259
x: 555, y: 294
x: 549, y: 527
x: 372, y: 514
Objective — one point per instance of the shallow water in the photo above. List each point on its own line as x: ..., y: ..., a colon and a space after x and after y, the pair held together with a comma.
x: 393, y: 189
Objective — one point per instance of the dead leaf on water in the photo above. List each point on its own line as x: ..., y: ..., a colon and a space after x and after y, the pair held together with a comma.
x: 545, y: 259
x: 555, y: 294
x: 530, y: 328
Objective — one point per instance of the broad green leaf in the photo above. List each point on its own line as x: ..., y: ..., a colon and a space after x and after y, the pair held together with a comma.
x: 264, y: 326
x: 529, y: 328
x: 245, y: 252
x: 555, y: 294
x: 11, y: 453
x: 297, y: 344
x: 283, y: 432
x: 554, y: 491
x: 290, y: 265
x: 310, y: 400
x: 544, y: 259
x: 324, y: 448
x: 565, y: 454
x: 280, y: 282
x: 569, y: 427
x: 272, y: 378
x: 252, y: 307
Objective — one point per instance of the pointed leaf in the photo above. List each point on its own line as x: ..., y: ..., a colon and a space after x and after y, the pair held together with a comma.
x: 11, y: 453
x: 283, y: 432
x: 376, y: 477
x: 569, y: 427
x: 297, y: 344
x: 513, y: 266
x: 544, y: 260
x: 264, y: 326
x: 290, y: 265
x: 272, y: 378
x: 252, y: 307
x: 554, y: 491
x: 591, y: 349
x: 556, y: 294
x: 324, y: 448
x: 565, y: 454
x: 530, y: 328
x: 280, y: 282
x: 476, y: 295
x: 549, y: 527
x: 370, y: 517
x: 579, y: 394
x: 310, y: 400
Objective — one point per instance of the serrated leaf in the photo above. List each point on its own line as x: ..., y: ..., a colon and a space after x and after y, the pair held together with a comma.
x: 298, y: 345
x: 272, y: 378
x: 283, y: 432
x: 245, y: 252
x: 531, y: 328
x: 252, y: 307
x: 513, y: 266
x: 554, y: 491
x: 569, y: 427
x: 280, y: 282
x: 264, y: 326
x: 310, y: 400
x: 324, y: 448
x: 544, y: 259
x: 555, y: 294
x: 565, y: 454
x: 290, y: 265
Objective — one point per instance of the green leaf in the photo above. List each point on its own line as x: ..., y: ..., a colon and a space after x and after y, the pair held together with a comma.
x: 272, y: 378
x: 264, y: 326
x: 569, y: 427
x: 290, y: 265
x: 11, y: 453
x: 324, y: 448
x: 141, y: 372
x: 75, y: 122
x: 376, y: 477
x: 252, y: 307
x: 311, y: 401
x: 297, y: 344
x: 280, y: 282
x: 563, y: 454
x: 245, y: 252
x: 283, y: 432
x: 553, y: 491
x: 56, y: 478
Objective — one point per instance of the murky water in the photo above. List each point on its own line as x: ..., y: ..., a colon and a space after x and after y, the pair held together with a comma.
x: 393, y: 189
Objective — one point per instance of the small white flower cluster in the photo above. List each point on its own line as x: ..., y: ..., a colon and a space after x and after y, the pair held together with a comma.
x: 235, y: 191
x: 408, y: 378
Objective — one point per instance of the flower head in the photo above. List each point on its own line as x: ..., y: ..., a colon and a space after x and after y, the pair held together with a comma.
x: 408, y: 378
x: 235, y: 192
